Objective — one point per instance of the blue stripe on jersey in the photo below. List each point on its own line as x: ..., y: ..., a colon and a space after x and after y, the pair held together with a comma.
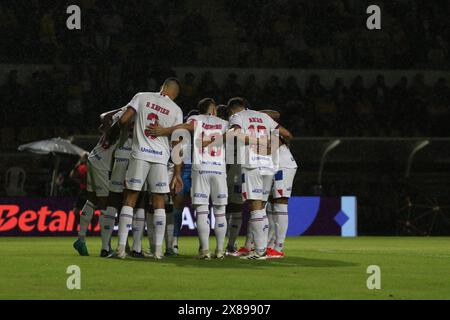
x: 279, y: 175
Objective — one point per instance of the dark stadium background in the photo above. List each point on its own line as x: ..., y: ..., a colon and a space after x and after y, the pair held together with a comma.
x: 380, y: 92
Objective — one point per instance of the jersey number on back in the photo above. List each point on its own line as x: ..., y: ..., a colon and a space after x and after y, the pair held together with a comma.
x: 153, y: 121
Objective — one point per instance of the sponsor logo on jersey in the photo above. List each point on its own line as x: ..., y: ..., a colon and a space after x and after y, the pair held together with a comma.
x: 257, y: 190
x: 161, y: 184
x: 200, y: 195
x: 133, y: 180
x: 146, y: 150
x: 210, y: 172
x: 222, y: 196
x: 116, y: 183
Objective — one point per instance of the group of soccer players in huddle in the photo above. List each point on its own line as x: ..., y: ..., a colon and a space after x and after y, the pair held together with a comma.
x: 222, y: 156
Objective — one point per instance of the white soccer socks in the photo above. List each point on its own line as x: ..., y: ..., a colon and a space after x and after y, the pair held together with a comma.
x: 85, y: 219
x: 260, y: 227
x: 281, y: 225
x: 220, y: 227
x: 203, y: 227
x: 271, y: 219
x: 107, y: 219
x: 125, y: 223
x: 159, y: 223
x: 138, y: 228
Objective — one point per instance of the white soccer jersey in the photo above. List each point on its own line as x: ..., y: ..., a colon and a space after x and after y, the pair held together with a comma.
x: 210, y: 158
x: 258, y: 125
x: 286, y: 159
x: 101, y: 156
x: 153, y: 108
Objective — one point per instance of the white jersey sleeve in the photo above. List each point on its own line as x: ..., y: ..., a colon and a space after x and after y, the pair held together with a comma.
x: 134, y: 103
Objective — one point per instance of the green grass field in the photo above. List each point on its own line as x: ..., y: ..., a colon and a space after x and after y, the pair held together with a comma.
x: 315, y: 268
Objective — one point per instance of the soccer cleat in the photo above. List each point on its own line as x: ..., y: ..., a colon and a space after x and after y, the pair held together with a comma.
x: 175, y: 249
x: 169, y: 253
x: 231, y: 251
x: 136, y: 254
x: 274, y: 254
x: 204, y: 255
x: 148, y: 254
x: 254, y: 256
x: 219, y: 255
x: 118, y: 254
x: 81, y: 247
x: 158, y: 256
x: 243, y: 251
x: 105, y: 253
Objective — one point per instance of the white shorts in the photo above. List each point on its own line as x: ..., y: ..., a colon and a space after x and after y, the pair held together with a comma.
x: 234, y: 183
x: 118, y: 175
x: 168, y: 197
x: 155, y: 174
x: 97, y: 181
x: 282, y: 183
x: 256, y: 184
x: 206, y: 184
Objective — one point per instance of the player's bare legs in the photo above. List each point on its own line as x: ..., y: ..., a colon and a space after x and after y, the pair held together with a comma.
x: 177, y: 213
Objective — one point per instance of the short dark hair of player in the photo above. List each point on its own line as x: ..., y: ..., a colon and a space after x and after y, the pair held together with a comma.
x: 193, y: 112
x: 203, y: 105
x: 237, y: 102
x: 222, y: 112
x: 170, y: 81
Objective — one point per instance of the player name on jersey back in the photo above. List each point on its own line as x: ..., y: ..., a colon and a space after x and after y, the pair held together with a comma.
x: 211, y: 158
x: 153, y: 109
x: 257, y: 125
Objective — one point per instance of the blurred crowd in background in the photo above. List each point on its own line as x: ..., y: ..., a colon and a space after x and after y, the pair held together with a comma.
x: 228, y: 33
x: 121, y: 51
x: 62, y: 103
